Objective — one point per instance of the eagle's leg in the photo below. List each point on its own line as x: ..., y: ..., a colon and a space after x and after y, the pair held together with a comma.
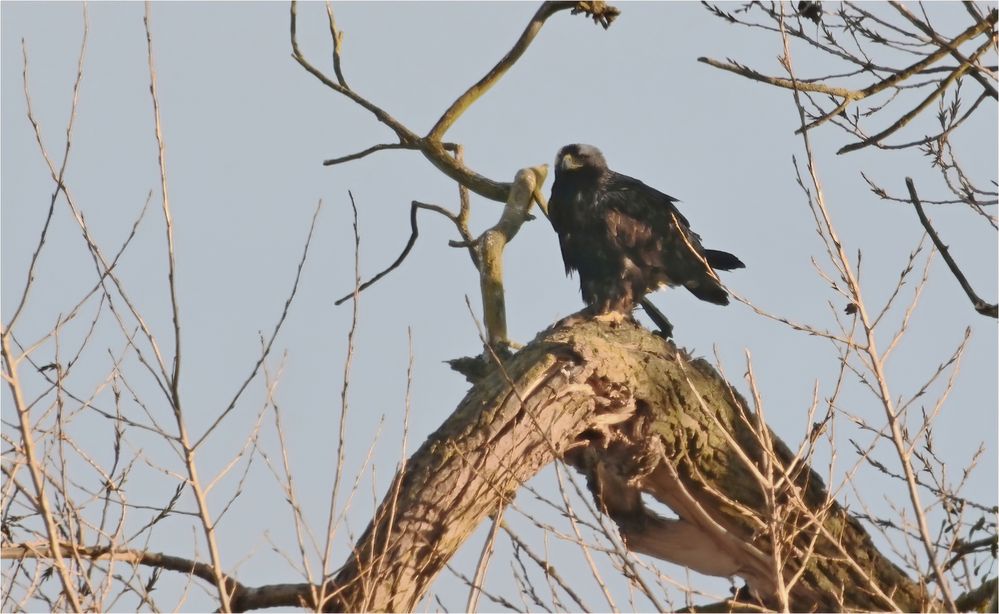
x: 616, y: 310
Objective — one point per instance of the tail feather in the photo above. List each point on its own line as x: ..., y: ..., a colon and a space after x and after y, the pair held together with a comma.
x: 723, y: 261
x: 709, y: 290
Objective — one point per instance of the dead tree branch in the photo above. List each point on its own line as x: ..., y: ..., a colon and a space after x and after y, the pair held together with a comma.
x: 600, y: 12
x: 486, y: 250
x: 982, y: 307
x: 939, y: 40
x: 490, y: 246
x: 431, y: 146
x: 415, y: 206
x: 893, y: 80
x: 635, y: 415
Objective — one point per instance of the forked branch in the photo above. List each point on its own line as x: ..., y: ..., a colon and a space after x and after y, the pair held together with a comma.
x: 432, y: 146
x: 601, y: 13
x: 896, y: 77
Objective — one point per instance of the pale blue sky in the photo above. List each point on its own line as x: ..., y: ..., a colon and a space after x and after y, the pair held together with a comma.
x: 246, y: 130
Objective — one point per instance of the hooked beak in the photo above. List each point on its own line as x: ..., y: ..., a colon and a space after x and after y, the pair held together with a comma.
x: 568, y: 163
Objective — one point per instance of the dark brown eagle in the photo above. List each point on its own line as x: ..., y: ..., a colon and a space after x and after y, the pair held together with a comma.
x: 627, y: 239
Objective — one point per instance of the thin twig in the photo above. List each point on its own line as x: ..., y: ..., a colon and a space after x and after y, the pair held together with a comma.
x: 344, y: 405
x: 208, y: 526
x: 876, y: 359
x: 905, y: 119
x: 367, y: 152
x: 821, y: 88
x: 926, y: 29
x: 414, y: 233
x: 478, y: 580
x: 274, y: 333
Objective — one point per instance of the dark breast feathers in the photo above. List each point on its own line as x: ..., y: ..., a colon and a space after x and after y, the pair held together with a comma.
x: 625, y: 238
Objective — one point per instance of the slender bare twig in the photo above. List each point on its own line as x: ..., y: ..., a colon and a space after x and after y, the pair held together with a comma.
x: 546, y: 567
x: 32, y: 461
x: 194, y: 481
x: 982, y: 307
x: 367, y: 152
x: 478, y: 580
x: 414, y: 234
x: 928, y: 31
x: 30, y: 277
x: 344, y: 404
x: 274, y: 333
x: 876, y: 361
x: 919, y: 108
x: 821, y: 88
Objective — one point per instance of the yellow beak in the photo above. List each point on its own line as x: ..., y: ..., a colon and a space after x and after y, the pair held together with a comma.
x: 568, y: 163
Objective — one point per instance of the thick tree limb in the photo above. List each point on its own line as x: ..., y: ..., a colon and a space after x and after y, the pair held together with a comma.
x: 492, y: 242
x: 635, y: 415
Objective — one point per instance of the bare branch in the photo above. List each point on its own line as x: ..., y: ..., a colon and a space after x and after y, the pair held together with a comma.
x: 30, y: 277
x: 200, y: 496
x: 905, y: 119
x: 274, y: 333
x: 897, y: 76
x: 368, y: 151
x: 243, y: 597
x: 927, y: 30
x: 490, y: 246
x: 434, y: 151
x: 337, y: 35
x: 34, y: 463
x: 414, y: 233
x: 473, y: 93
x: 982, y: 307
x: 821, y: 88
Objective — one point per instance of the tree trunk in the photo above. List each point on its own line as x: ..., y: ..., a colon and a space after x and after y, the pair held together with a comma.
x: 634, y: 414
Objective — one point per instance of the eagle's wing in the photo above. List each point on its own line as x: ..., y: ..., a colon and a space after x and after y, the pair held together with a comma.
x: 651, y: 231
x: 560, y: 214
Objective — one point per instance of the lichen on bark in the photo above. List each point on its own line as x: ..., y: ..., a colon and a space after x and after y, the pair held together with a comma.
x: 635, y: 415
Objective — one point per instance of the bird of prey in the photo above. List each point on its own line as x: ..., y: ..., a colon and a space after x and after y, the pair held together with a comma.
x: 626, y: 239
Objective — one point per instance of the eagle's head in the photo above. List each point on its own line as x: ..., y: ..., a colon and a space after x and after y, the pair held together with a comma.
x: 579, y: 158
